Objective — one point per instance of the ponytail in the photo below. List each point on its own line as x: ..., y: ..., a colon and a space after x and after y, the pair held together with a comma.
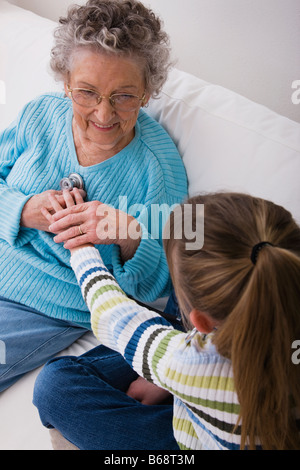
x: 255, y: 301
x: 258, y: 336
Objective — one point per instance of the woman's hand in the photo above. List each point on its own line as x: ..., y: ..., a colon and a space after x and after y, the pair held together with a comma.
x: 96, y: 223
x: 146, y: 392
x: 70, y: 199
x: 32, y: 216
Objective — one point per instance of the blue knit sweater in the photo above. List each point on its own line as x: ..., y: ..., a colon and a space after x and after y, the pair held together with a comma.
x: 36, y: 151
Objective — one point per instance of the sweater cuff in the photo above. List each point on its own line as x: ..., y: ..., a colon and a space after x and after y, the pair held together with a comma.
x: 12, y: 203
x: 140, y: 269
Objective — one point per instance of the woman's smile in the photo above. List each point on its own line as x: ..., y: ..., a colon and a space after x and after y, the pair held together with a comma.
x: 104, y: 128
x: 101, y: 131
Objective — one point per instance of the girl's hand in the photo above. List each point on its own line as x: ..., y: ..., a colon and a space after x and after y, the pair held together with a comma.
x: 146, y: 392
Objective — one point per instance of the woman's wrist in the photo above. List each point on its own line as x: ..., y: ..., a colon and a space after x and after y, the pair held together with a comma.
x: 130, y: 244
x: 128, y: 249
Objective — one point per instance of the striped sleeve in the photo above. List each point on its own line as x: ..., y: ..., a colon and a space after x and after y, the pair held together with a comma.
x: 117, y: 321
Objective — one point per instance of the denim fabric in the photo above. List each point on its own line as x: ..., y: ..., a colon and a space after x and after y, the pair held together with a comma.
x: 84, y: 398
x: 30, y: 339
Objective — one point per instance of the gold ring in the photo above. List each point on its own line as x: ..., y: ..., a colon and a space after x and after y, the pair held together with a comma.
x: 80, y: 231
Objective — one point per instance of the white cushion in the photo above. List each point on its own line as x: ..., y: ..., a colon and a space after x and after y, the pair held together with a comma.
x: 25, y: 43
x: 229, y: 142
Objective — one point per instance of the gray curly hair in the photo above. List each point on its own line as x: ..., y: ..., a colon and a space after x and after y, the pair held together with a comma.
x: 124, y: 27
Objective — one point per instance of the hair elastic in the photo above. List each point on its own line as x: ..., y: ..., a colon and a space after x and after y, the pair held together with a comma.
x: 256, y: 249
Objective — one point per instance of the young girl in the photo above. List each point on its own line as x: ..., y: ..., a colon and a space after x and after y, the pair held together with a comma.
x: 233, y: 380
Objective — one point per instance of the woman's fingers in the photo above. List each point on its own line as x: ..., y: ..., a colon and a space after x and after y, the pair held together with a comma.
x: 72, y: 198
x: 69, y: 201
x: 46, y: 214
x: 66, y: 222
x: 72, y: 232
x: 77, y: 241
x: 78, y: 195
x: 77, y: 209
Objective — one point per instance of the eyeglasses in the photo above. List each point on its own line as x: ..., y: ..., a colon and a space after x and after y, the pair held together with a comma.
x: 119, y: 101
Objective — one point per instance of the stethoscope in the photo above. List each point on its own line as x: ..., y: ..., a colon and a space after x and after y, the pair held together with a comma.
x: 72, y: 181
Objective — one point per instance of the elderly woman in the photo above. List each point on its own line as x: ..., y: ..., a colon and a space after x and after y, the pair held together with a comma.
x: 112, y: 56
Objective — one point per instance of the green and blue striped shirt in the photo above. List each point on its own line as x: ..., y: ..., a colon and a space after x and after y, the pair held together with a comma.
x: 206, y: 406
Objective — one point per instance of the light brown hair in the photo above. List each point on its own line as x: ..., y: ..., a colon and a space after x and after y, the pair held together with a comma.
x: 256, y: 305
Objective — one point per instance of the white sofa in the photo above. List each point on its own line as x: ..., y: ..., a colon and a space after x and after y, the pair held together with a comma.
x: 226, y: 141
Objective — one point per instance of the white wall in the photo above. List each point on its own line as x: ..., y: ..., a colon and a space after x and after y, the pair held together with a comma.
x: 249, y: 46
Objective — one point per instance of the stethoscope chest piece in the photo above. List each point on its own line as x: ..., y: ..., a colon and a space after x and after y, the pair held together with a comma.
x: 72, y: 181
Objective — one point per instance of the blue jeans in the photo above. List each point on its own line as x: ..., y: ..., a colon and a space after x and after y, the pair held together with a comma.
x: 85, y: 399
x: 29, y: 339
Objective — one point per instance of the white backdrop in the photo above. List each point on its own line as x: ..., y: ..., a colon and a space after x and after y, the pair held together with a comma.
x: 249, y: 46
